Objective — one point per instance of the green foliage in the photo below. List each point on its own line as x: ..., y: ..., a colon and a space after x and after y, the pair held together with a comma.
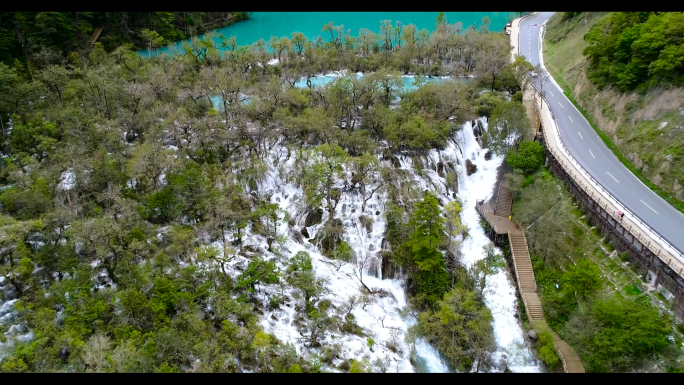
x: 128, y: 270
x: 300, y: 262
x: 191, y: 188
x: 508, y: 126
x: 38, y: 140
x: 609, y: 332
x: 417, y: 133
x: 460, y: 327
x: 528, y: 157
x: 636, y: 49
x: 319, y: 179
x: 301, y: 275
x: 546, y: 350
x: 432, y: 279
x: 584, y: 279
x: 357, y: 366
x: 486, y: 103
x: 618, y: 333
x: 258, y: 272
x: 370, y: 343
x: 162, y: 206
x: 486, y: 266
x: 165, y: 368
x: 65, y: 32
x: 27, y: 202
x: 428, y: 225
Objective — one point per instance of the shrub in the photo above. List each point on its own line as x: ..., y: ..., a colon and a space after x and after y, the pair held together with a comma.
x: 546, y: 350
x: 528, y: 158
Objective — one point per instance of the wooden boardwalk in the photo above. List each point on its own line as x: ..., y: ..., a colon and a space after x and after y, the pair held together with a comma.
x: 497, y: 212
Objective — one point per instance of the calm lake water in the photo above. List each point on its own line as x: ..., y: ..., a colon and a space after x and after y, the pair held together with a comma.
x: 263, y: 25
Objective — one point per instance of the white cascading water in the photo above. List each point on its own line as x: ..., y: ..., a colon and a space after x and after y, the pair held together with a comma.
x: 499, y: 294
x: 381, y: 318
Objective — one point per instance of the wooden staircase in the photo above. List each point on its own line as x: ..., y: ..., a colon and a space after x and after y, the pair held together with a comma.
x: 504, y: 201
x: 521, y: 261
x: 497, y: 212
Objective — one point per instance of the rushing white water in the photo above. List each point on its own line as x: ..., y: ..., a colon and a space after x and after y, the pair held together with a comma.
x: 499, y: 293
x: 381, y: 318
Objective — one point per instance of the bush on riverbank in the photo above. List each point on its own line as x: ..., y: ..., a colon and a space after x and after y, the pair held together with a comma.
x: 528, y: 157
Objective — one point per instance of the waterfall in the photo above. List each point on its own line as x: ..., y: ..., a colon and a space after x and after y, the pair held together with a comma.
x: 499, y: 294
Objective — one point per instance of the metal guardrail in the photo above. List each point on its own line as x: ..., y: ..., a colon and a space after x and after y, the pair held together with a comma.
x: 656, y: 235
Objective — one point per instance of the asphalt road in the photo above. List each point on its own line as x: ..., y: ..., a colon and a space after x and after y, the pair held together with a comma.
x: 598, y: 160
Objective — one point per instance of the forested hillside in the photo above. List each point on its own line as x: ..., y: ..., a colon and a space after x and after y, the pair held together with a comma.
x: 158, y: 214
x: 636, y: 49
x: 624, y: 70
x: 42, y: 38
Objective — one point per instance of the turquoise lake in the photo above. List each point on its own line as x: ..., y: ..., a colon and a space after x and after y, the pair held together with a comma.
x: 263, y: 25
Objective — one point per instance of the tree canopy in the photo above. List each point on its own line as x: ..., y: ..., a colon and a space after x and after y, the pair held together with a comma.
x: 637, y: 50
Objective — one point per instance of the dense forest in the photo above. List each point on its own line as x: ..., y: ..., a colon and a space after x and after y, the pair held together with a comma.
x: 138, y: 226
x: 40, y: 38
x: 636, y: 49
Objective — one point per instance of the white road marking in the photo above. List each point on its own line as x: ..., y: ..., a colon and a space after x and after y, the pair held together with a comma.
x: 572, y: 121
x: 649, y: 206
x: 580, y: 135
x: 551, y: 93
x: 592, y: 154
x: 611, y: 175
x: 560, y: 105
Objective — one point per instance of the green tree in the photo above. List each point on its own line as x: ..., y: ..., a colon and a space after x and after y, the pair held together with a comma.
x: 319, y: 179
x: 460, y: 328
x: 619, y: 333
x: 366, y: 170
x: 301, y: 275
x: 584, y: 279
x: 440, y: 21
x: 528, y: 158
x: 432, y: 279
x: 152, y: 40
x: 487, y: 266
x: 258, y: 272
x: 508, y: 126
x: 191, y: 187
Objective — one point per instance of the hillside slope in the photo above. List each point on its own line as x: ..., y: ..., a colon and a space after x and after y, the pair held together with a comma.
x: 645, y: 128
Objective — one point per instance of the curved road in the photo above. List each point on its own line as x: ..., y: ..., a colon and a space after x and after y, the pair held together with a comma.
x: 589, y: 150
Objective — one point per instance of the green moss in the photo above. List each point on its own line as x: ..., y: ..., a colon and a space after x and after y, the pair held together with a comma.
x: 632, y: 290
